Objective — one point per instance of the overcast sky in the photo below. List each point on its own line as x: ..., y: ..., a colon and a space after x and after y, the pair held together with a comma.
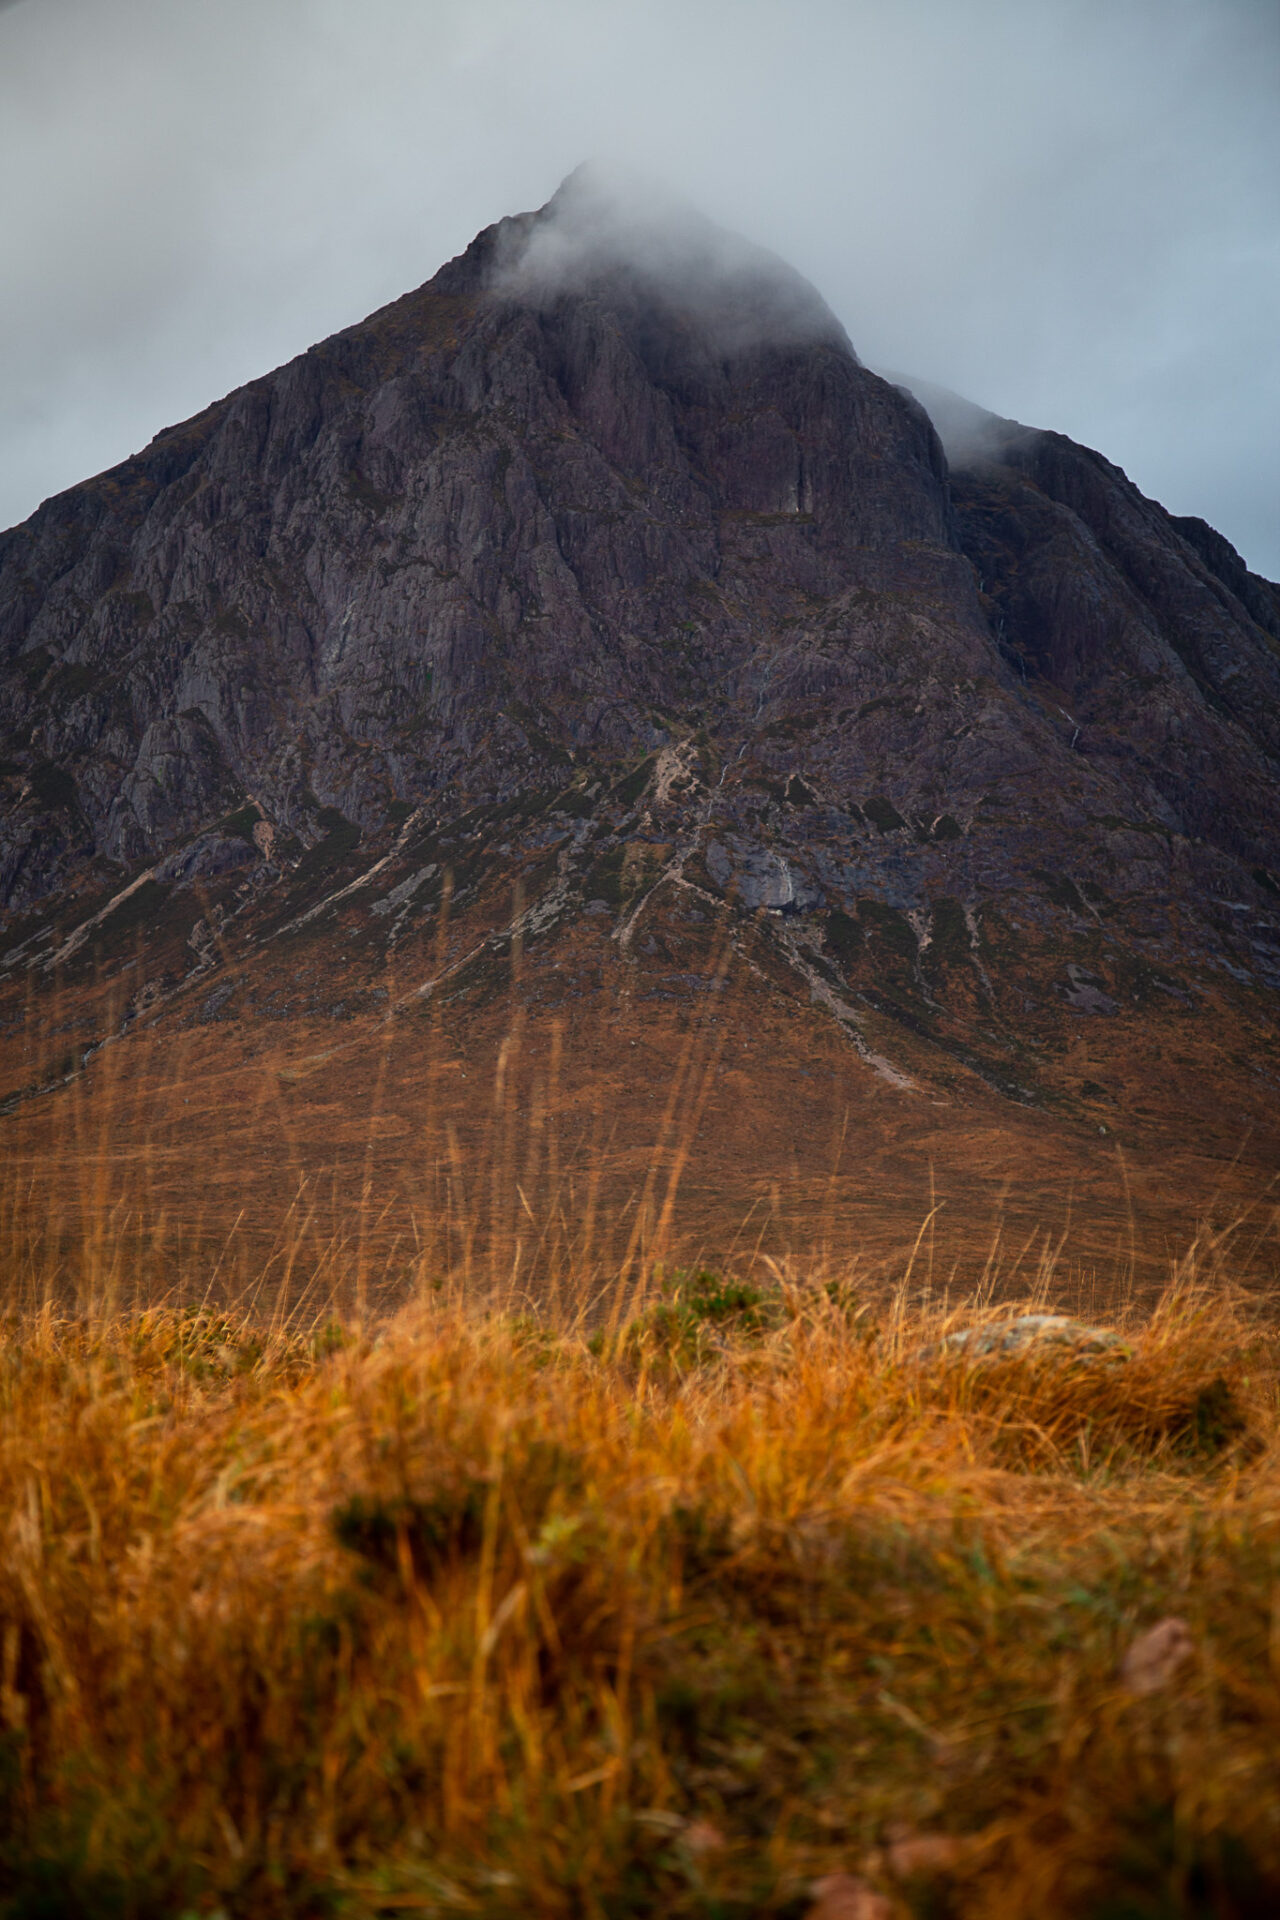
x: 1069, y: 210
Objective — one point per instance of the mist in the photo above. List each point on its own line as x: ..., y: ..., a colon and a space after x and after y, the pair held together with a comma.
x: 607, y: 221
x: 1067, y: 211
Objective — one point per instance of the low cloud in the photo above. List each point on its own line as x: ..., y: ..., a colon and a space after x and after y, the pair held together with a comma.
x: 609, y: 224
x: 967, y: 432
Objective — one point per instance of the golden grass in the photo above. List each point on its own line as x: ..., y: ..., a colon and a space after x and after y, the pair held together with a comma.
x: 467, y: 1612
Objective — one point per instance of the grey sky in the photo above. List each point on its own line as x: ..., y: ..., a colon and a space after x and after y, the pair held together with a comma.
x: 1069, y: 210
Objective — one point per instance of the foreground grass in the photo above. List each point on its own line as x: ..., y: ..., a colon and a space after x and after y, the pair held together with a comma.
x: 469, y: 1615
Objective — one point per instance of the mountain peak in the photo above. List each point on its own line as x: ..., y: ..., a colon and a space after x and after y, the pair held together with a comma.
x: 611, y: 232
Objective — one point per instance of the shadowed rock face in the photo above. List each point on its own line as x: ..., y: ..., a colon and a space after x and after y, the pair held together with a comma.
x: 1162, y: 642
x: 606, y: 532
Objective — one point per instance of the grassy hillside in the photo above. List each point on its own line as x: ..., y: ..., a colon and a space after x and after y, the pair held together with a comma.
x: 470, y: 1612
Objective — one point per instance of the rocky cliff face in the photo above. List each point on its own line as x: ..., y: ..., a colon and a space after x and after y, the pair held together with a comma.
x: 601, y: 561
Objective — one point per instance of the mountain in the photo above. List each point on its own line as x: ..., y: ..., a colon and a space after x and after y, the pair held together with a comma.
x: 590, y: 635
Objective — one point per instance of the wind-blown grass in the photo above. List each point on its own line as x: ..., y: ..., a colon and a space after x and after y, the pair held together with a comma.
x: 470, y: 1612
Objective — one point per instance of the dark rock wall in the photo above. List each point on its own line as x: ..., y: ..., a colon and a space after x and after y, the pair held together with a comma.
x: 1095, y: 591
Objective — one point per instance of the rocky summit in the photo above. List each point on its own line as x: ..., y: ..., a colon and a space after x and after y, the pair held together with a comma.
x: 589, y: 647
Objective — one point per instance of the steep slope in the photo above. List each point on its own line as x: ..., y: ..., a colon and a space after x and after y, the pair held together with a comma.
x: 599, y: 572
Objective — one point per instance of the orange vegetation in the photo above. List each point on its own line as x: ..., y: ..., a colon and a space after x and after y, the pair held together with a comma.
x: 687, y: 1607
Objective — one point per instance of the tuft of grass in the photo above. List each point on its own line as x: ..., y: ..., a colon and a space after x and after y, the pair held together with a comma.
x: 464, y: 1612
x: 695, y: 1314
